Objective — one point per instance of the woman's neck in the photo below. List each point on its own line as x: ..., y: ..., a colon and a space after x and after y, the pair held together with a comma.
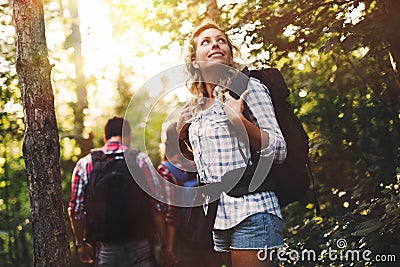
x: 210, y: 89
x: 114, y: 139
x: 211, y: 80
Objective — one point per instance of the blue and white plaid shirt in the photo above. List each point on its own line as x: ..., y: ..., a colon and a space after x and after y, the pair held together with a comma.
x: 216, y: 151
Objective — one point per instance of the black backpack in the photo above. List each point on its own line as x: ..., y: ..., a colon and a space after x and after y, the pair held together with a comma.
x: 117, y: 209
x: 291, y: 179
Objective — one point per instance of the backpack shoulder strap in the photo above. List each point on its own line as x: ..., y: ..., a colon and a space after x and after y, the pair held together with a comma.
x: 273, y: 79
x: 239, y: 84
x: 270, y: 77
x: 99, y: 162
x: 97, y: 155
x: 131, y: 156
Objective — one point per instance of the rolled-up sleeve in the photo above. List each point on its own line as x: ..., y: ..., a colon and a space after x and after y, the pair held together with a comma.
x: 152, y: 178
x: 171, y: 213
x: 78, y: 185
x: 260, y: 105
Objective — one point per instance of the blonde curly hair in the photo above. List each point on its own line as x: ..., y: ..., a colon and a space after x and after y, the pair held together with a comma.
x: 194, y: 80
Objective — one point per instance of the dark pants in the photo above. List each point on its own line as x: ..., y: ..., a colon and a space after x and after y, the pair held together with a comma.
x: 132, y: 254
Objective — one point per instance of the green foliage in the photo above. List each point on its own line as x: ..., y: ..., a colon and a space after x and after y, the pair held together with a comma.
x: 15, y: 227
x: 15, y: 230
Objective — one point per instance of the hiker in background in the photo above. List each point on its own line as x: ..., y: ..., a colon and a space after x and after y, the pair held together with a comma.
x: 253, y: 222
x: 112, y: 244
x: 177, y: 169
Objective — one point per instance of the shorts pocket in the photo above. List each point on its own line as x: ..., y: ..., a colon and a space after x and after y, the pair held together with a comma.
x: 277, y: 224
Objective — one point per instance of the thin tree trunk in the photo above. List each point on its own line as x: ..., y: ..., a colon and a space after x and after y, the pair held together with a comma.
x: 123, y: 89
x: 41, y: 147
x: 81, y: 91
x: 213, y: 11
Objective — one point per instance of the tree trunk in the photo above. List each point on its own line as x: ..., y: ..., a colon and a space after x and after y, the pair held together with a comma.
x: 75, y: 41
x: 213, y: 11
x: 41, y: 147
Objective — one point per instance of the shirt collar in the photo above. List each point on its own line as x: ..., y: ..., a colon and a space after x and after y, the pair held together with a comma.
x: 114, y: 146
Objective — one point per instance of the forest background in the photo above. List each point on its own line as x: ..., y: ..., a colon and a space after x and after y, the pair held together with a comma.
x: 339, y: 58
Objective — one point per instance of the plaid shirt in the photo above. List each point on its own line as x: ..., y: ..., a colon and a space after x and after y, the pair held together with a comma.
x: 216, y: 151
x: 170, y: 212
x: 84, y: 167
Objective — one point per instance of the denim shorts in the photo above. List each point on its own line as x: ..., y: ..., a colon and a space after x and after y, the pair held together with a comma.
x: 258, y: 231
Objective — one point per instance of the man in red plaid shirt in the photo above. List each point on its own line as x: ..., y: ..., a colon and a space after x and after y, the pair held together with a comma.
x: 117, y: 136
